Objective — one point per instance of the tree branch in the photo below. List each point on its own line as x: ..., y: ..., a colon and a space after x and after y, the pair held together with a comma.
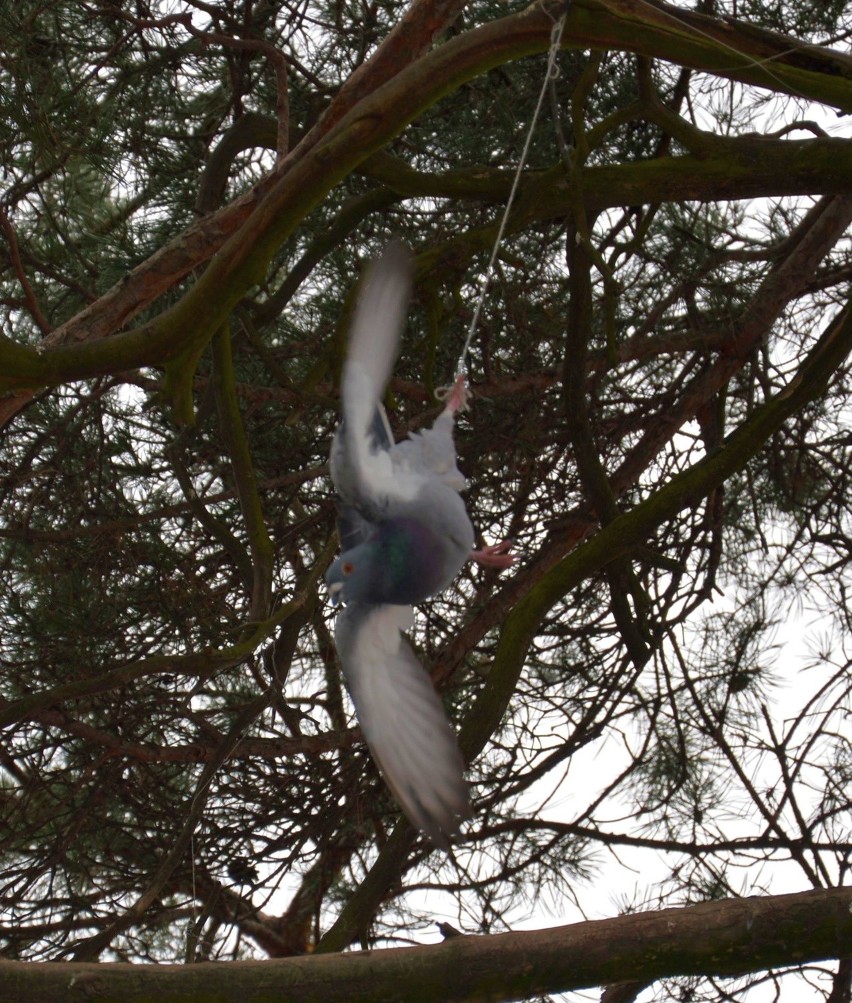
x: 268, y: 214
x: 632, y: 528
x: 725, y: 938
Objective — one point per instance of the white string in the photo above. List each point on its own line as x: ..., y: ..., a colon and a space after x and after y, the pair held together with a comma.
x: 552, y: 73
x: 192, y: 855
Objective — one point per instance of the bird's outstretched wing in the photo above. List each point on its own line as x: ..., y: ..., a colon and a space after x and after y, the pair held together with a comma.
x: 361, y: 465
x: 402, y: 718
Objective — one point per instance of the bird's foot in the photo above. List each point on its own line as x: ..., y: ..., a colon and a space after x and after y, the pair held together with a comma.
x: 495, y: 556
x: 456, y: 397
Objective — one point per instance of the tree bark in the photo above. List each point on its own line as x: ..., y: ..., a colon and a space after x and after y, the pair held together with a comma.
x: 723, y: 938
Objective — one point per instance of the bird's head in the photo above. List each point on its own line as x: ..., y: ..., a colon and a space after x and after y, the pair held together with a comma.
x: 344, y: 579
x: 400, y: 564
x: 363, y: 574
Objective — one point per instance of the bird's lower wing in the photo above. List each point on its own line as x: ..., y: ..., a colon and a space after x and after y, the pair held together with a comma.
x: 402, y: 719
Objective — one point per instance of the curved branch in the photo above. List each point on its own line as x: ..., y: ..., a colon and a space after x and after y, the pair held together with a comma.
x: 269, y: 214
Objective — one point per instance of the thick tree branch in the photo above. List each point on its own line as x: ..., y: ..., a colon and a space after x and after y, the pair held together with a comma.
x: 278, y: 205
x: 632, y: 528
x: 727, y: 937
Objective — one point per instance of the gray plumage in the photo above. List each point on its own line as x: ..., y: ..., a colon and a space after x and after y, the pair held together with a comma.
x: 404, y: 534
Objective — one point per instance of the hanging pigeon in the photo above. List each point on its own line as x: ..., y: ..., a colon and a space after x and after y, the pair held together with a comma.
x: 404, y: 535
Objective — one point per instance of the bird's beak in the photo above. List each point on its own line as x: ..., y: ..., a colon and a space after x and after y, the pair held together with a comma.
x: 334, y: 591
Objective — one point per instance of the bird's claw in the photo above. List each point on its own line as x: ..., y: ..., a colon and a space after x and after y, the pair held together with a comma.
x: 495, y: 556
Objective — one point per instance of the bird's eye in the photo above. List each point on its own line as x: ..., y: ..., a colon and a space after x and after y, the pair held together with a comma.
x: 348, y: 568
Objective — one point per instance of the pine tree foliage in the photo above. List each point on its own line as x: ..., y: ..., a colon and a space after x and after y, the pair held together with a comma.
x: 660, y: 424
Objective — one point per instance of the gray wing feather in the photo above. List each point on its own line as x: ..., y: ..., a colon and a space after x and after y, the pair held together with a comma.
x: 361, y: 467
x: 402, y: 719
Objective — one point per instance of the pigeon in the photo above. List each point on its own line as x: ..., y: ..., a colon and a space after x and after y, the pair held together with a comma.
x: 404, y: 535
